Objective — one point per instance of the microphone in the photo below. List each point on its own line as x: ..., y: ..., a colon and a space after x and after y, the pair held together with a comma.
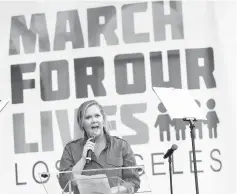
x: 170, y: 151
x: 89, y: 152
x: 45, y: 175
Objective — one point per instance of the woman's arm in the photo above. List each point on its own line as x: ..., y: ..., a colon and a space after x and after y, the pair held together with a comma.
x: 66, y: 164
x: 77, y: 169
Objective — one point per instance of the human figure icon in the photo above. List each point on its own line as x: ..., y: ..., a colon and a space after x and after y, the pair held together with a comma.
x: 212, y: 119
x: 180, y: 128
x: 163, y: 121
x: 198, y: 125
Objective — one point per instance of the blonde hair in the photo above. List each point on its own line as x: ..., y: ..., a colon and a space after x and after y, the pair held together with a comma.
x: 82, y: 111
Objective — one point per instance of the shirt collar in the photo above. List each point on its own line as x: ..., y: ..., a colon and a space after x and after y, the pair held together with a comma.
x: 107, y: 136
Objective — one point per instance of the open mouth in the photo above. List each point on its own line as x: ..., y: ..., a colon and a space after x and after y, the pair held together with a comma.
x: 94, y: 127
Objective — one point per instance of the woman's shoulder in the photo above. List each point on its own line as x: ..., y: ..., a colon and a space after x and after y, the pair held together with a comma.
x: 74, y: 142
x: 118, y: 140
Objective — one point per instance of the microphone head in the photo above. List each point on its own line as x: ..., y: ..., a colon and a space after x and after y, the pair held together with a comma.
x: 174, y: 147
x: 92, y: 134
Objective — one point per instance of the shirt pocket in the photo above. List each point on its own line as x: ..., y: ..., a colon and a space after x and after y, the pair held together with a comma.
x: 114, y: 161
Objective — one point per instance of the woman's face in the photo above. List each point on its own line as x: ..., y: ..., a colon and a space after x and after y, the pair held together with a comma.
x: 93, y: 121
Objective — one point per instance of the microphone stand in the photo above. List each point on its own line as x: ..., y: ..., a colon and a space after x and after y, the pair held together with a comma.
x: 170, y: 172
x: 191, y: 125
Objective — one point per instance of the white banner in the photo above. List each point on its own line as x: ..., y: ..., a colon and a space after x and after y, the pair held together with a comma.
x: 54, y: 56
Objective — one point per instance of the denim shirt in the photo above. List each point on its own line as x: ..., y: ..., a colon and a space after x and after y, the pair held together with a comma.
x: 117, y: 153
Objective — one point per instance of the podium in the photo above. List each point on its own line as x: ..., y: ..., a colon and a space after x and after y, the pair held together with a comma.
x: 120, y: 180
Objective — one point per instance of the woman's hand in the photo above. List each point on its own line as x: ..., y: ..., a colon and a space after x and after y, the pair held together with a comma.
x: 78, y: 167
x: 88, y: 146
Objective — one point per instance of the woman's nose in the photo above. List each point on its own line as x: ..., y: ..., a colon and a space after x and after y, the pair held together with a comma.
x: 94, y: 119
